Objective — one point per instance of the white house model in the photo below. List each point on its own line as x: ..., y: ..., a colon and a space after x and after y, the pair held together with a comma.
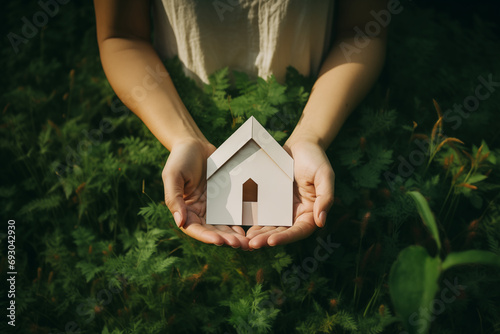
x: 250, y: 180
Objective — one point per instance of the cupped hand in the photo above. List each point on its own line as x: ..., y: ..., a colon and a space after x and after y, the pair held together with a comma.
x: 184, y: 180
x: 312, y: 198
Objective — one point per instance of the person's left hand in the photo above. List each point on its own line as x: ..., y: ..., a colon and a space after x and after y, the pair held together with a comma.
x: 312, y: 198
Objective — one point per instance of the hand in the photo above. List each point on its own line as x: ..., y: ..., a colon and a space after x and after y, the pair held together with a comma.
x: 184, y: 179
x: 312, y: 198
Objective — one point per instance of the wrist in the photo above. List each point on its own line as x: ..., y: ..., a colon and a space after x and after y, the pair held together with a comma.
x: 301, y: 144
x: 182, y: 130
x: 189, y: 139
x: 301, y: 138
x: 199, y: 144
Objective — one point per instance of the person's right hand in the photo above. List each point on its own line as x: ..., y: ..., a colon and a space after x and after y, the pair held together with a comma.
x: 184, y: 179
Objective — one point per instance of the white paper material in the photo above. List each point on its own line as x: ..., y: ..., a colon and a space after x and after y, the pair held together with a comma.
x: 250, y: 153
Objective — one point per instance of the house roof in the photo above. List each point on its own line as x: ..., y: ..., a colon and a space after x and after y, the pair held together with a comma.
x: 250, y: 130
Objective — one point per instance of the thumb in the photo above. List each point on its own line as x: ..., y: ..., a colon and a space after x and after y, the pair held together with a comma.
x: 174, y: 196
x: 324, y: 185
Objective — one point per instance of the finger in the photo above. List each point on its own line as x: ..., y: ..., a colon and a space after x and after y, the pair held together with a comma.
x: 238, y: 229
x: 204, y: 234
x: 324, y: 183
x: 262, y: 239
x: 174, y: 196
x: 243, y: 242
x: 256, y: 230
x: 232, y: 238
x: 300, y: 230
x: 240, y: 234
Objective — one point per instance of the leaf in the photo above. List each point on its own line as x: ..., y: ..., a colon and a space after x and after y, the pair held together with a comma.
x: 115, y: 331
x: 242, y: 82
x: 7, y: 192
x: 346, y: 321
x: 426, y: 215
x: 218, y: 81
x: 413, y: 282
x: 366, y: 177
x: 278, y: 135
x: 351, y: 158
x: 471, y: 257
x: 476, y: 201
x: 250, y: 314
x: 262, y: 112
x: 380, y: 156
x: 241, y: 105
x: 408, y: 128
x: 276, y: 92
x: 89, y: 270
x: 162, y: 265
x: 46, y: 203
x: 282, y: 261
x: 493, y: 244
x: 377, y: 122
x: 476, y: 178
x: 492, y: 158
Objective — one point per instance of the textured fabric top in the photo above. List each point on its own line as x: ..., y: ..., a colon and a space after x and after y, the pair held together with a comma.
x: 258, y: 37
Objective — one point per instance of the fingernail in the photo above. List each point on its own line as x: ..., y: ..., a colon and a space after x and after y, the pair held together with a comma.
x: 322, y: 218
x: 177, y: 218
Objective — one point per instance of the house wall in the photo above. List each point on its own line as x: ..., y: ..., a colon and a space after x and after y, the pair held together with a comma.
x: 275, y: 189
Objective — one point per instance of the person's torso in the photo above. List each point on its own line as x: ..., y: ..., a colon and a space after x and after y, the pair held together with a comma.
x: 258, y: 37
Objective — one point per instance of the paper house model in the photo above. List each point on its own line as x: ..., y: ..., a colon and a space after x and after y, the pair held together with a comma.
x: 250, y: 180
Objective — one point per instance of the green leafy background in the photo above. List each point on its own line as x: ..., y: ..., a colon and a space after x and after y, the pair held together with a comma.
x: 97, y: 250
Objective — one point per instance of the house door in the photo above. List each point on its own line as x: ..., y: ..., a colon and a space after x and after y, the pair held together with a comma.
x: 250, y: 203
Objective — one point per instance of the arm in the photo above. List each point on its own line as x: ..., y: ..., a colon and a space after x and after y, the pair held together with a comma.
x: 344, y: 79
x: 137, y: 74
x: 140, y: 80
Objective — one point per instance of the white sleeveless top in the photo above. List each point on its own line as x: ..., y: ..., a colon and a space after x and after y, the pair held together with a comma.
x: 258, y: 37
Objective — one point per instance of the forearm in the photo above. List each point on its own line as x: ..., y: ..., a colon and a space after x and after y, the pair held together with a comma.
x: 141, y: 81
x: 342, y: 83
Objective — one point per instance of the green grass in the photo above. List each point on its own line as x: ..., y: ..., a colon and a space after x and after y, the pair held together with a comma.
x: 97, y: 250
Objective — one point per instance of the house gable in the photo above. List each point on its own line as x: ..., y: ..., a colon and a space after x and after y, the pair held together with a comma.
x: 251, y: 129
x: 250, y: 153
x: 225, y: 200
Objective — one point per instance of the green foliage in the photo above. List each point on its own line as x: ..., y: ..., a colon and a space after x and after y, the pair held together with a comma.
x: 282, y: 261
x: 326, y: 324
x: 426, y: 215
x: 413, y: 284
x: 97, y: 247
x: 471, y: 257
x: 250, y: 314
x: 413, y: 280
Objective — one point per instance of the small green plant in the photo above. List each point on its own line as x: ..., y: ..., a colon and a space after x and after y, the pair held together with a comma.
x: 97, y: 250
x: 414, y: 277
